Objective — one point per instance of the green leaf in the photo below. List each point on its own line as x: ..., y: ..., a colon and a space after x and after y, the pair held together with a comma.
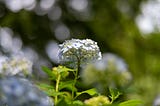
x: 49, y: 72
x: 67, y: 84
x: 55, y: 93
x: 50, y: 92
x: 45, y: 86
x: 131, y: 103
x: 91, y: 92
x: 48, y: 89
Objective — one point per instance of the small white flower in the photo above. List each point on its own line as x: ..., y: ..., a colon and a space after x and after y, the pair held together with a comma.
x: 74, y: 50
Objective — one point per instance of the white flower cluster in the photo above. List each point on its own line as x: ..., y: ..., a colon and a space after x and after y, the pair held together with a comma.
x: 74, y: 50
x: 21, y: 92
x: 15, y: 65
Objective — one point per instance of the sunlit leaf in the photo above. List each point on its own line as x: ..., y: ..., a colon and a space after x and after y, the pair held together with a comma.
x: 91, y: 92
x: 131, y: 103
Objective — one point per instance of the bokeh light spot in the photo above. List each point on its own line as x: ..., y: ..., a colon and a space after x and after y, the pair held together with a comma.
x: 52, y: 50
x: 62, y: 32
x: 79, y: 5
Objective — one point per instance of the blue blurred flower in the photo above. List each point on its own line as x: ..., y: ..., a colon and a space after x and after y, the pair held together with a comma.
x: 84, y: 51
x: 20, y: 92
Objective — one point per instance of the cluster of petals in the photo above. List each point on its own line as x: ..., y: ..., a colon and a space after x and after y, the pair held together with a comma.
x: 15, y: 65
x: 75, y: 50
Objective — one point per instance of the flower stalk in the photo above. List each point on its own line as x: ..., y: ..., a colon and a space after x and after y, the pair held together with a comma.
x: 76, y: 77
x: 57, y: 88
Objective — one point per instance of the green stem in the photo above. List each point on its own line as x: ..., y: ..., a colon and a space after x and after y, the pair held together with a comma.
x: 57, y: 88
x: 76, y: 77
x: 112, y: 101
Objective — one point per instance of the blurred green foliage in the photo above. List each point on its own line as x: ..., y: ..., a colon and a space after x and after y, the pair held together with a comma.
x: 114, y: 30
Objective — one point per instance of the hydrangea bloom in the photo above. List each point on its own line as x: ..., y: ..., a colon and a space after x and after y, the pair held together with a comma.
x: 112, y: 69
x: 20, y: 92
x: 84, y: 51
x: 15, y: 65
